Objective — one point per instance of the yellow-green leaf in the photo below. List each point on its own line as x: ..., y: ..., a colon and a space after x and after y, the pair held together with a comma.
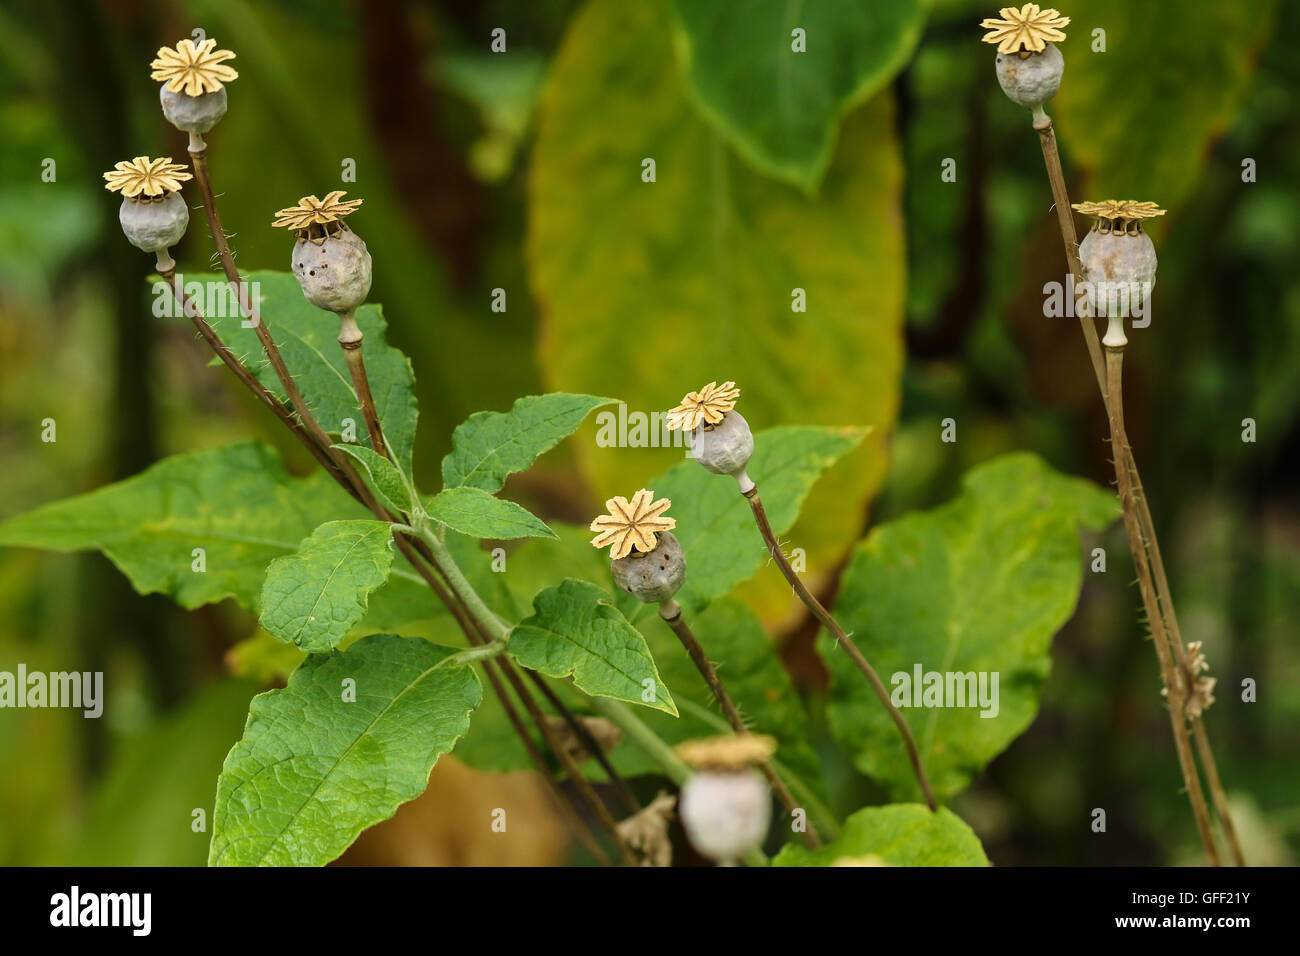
x: 651, y: 289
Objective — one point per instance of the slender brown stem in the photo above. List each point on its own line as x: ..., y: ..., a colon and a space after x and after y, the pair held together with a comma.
x: 1173, y: 680
x: 222, y: 351
x: 1061, y: 200
x: 855, y: 655
x: 575, y: 822
x: 588, y: 740
x: 409, y: 549
x: 673, y: 617
x: 203, y: 177
x: 567, y: 762
x: 350, y: 339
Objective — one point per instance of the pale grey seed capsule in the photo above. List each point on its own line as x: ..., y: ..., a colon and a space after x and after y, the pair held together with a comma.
x: 1031, y: 80
x: 334, y: 274
x: 193, y: 114
x: 724, y: 448
x: 725, y: 813
x: 1120, y: 267
x: 154, y: 226
x: 653, y: 576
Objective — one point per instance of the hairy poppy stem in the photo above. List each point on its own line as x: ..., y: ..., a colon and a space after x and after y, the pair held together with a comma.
x: 1150, y: 550
x: 855, y: 655
x: 673, y: 617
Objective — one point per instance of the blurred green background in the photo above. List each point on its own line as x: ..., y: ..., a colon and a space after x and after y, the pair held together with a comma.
x: 485, y: 171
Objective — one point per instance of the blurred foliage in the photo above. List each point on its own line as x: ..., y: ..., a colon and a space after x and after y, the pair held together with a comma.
x: 462, y: 175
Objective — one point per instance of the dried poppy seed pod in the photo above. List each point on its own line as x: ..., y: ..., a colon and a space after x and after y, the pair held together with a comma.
x: 193, y: 114
x: 335, y: 274
x: 720, y: 438
x: 193, y: 93
x: 645, y: 560
x: 652, y: 577
x: 153, y: 214
x: 330, y: 261
x: 1029, y: 66
x: 1119, y: 261
x: 1031, y: 79
x: 725, y: 448
x: 726, y: 807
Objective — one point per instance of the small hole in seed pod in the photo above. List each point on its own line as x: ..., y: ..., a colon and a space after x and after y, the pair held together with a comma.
x: 312, y: 272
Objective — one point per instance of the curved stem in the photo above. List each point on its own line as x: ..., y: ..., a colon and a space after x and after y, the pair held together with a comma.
x: 855, y: 655
x: 677, y: 621
x: 1173, y: 681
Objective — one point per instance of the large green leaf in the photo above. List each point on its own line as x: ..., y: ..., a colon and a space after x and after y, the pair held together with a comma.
x: 715, y: 525
x: 488, y: 447
x: 236, y: 502
x: 698, y: 267
x: 578, y: 631
x: 313, y: 597
x: 314, y: 769
x: 479, y: 514
x: 1187, y: 62
x: 308, y: 339
x: 780, y: 108
x: 978, y: 586
x: 896, y: 835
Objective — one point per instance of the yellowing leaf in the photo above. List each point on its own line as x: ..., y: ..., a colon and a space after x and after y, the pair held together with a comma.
x: 650, y: 288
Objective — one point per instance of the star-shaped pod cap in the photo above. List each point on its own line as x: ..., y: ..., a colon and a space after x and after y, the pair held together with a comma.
x: 146, y: 180
x: 632, y: 524
x: 1027, y: 30
x: 193, y: 68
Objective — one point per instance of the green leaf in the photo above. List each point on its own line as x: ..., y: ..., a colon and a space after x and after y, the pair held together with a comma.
x: 314, y: 768
x: 896, y: 835
x: 381, y: 476
x: 1190, y: 65
x: 479, y: 514
x: 313, y: 597
x: 237, y: 503
x: 780, y: 109
x: 308, y: 340
x: 714, y: 522
x: 979, y: 585
x: 699, y: 267
x: 488, y: 447
x: 577, y: 631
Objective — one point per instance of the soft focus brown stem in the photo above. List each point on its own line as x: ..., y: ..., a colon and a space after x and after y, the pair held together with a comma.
x: 855, y: 655
x: 677, y: 621
x: 588, y: 741
x: 1173, y: 680
x: 1061, y: 200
